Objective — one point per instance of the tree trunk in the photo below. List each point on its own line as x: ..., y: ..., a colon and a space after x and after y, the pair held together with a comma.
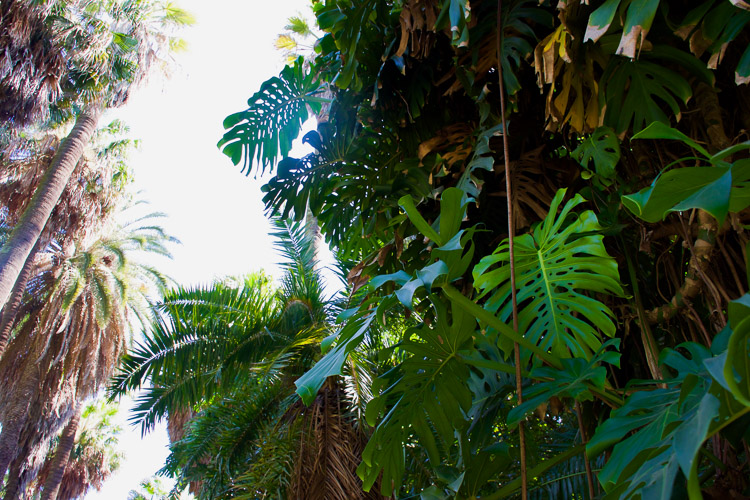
x: 16, y: 250
x: 15, y: 414
x: 7, y: 320
x: 14, y: 479
x: 312, y: 228
x: 62, y: 455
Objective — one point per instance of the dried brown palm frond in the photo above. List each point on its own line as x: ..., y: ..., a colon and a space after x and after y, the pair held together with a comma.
x: 32, y: 61
x: 533, y: 186
x: 88, y: 199
x: 453, y: 143
x: 417, y: 22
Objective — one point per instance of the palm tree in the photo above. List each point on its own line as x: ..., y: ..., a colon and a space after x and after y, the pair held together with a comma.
x: 94, y: 456
x: 85, y: 205
x: 68, y: 348
x: 112, y: 46
x: 232, y: 351
x: 149, y: 489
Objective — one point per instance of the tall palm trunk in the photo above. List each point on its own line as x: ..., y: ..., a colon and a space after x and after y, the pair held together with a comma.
x: 7, y: 320
x: 62, y: 455
x: 312, y: 228
x: 16, y: 250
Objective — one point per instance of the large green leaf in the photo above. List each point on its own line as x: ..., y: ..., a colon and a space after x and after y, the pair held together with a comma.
x: 671, y: 424
x: 634, y: 93
x: 719, y: 189
x: 556, y: 265
x: 659, y: 130
x: 707, y: 188
x: 349, y: 337
x: 273, y: 120
x: 426, y: 395
x: 737, y: 367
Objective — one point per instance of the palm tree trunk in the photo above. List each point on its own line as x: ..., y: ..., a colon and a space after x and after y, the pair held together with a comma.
x: 14, y: 479
x: 312, y: 228
x: 16, y: 250
x: 7, y: 320
x: 62, y: 454
x: 15, y: 412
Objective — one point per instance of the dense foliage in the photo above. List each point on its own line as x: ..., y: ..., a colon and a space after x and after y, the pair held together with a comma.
x: 629, y: 171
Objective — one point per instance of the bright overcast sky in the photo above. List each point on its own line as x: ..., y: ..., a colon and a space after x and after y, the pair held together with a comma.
x: 215, y: 211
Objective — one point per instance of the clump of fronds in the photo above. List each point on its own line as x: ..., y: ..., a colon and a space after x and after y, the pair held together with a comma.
x: 32, y: 61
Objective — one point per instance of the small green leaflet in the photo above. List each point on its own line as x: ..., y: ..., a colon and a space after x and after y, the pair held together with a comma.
x: 603, y: 148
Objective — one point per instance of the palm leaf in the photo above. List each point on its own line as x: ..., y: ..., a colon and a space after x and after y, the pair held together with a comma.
x: 556, y: 265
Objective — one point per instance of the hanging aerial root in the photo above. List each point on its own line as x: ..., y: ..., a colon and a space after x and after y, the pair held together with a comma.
x: 702, y: 249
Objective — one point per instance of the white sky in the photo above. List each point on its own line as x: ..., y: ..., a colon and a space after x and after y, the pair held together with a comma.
x: 215, y: 211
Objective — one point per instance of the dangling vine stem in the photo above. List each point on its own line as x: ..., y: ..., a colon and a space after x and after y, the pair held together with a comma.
x: 511, y: 246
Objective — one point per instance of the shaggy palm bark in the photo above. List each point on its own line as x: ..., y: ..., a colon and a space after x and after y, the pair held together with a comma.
x: 62, y: 454
x: 15, y: 414
x: 14, y: 253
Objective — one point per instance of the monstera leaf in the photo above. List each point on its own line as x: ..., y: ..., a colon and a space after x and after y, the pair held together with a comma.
x: 273, y: 119
x: 635, y: 91
x: 717, y: 189
x: 604, y: 149
x: 658, y: 432
x: 426, y: 394
x: 555, y: 265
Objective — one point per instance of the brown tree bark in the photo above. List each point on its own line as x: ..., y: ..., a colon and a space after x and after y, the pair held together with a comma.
x: 16, y: 250
x: 62, y: 455
x: 11, y: 489
x: 15, y: 412
x: 8, y: 317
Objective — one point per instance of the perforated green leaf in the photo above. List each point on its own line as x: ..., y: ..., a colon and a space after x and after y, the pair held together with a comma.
x: 603, y: 148
x: 426, y: 394
x: 556, y: 266
x: 636, y: 91
x: 273, y: 119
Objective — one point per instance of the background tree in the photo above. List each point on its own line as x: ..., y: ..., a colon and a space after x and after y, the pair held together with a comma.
x: 87, y: 203
x: 111, y: 46
x: 95, y: 455
x: 33, y: 61
x: 70, y: 344
x: 231, y: 353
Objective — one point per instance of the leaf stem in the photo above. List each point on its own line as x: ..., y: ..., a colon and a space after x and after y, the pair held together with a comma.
x: 584, y: 440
